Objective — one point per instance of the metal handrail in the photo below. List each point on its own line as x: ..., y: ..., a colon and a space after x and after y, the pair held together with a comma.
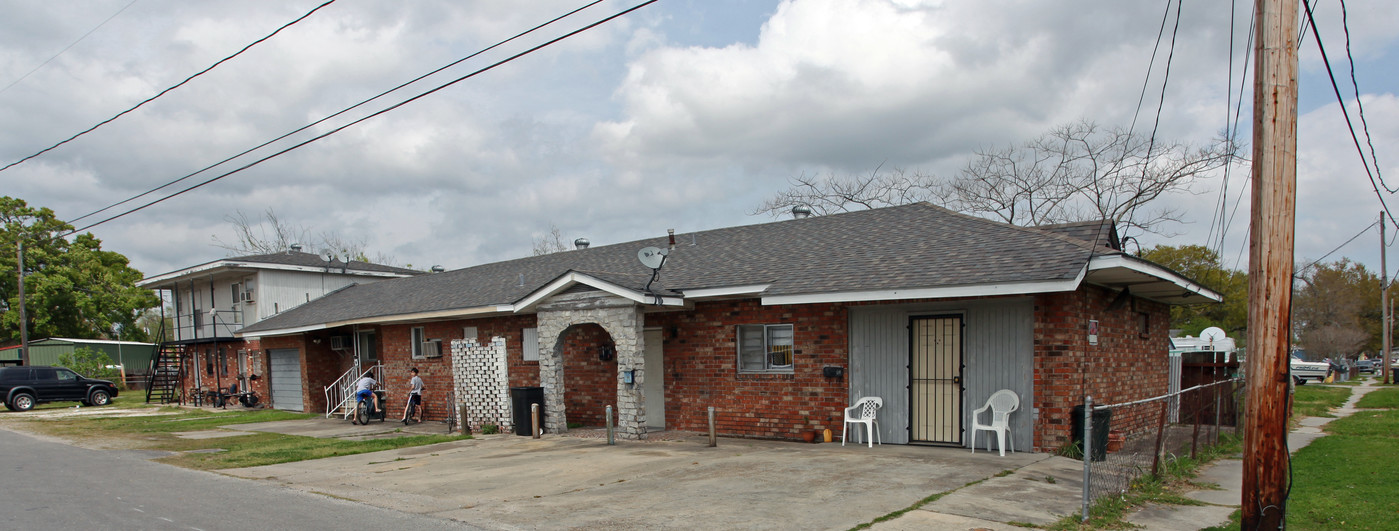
x: 340, y: 394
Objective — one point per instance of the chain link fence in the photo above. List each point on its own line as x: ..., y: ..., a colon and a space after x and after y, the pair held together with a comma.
x: 1171, y: 425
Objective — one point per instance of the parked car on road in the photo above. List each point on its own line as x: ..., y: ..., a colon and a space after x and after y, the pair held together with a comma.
x: 24, y: 387
x: 1366, y: 366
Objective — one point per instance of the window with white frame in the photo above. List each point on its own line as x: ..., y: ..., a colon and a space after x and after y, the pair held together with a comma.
x: 416, y: 336
x: 765, y: 348
x: 531, y: 344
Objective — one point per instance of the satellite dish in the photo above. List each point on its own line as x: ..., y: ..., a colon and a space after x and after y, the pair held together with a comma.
x: 1213, y: 334
x: 652, y: 257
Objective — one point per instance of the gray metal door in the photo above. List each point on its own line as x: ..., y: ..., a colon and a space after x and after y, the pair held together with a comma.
x: 935, y: 379
x: 286, y: 379
x: 654, y: 384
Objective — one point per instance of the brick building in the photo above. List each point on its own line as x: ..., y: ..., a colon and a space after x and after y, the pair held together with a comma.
x: 210, y: 302
x: 778, y: 326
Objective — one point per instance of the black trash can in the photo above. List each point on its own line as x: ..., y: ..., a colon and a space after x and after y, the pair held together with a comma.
x: 1102, y: 419
x: 520, y: 400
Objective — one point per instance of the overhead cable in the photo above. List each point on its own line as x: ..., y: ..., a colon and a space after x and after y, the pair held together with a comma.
x: 163, y: 92
x: 1336, y: 88
x: 374, y: 115
x: 66, y: 48
x: 337, y: 113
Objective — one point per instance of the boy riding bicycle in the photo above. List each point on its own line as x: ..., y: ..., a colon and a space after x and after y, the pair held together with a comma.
x: 415, y: 398
x: 364, y: 390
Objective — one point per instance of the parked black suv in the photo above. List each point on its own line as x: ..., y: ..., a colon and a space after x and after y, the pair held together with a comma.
x: 23, y: 387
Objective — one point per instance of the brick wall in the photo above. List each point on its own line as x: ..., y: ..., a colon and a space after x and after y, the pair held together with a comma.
x: 701, y: 370
x: 590, y: 385
x: 522, y: 373
x: 395, y: 352
x: 1130, y: 361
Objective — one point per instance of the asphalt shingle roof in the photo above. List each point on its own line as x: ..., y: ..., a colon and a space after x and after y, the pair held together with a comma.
x: 906, y: 247
x: 297, y: 258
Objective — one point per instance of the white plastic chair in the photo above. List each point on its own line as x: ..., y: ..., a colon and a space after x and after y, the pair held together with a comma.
x: 1002, y: 403
x: 863, y: 412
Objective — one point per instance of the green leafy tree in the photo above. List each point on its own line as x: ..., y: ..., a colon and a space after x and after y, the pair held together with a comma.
x: 72, y: 287
x: 1336, y: 310
x: 1203, y: 265
x: 90, y: 363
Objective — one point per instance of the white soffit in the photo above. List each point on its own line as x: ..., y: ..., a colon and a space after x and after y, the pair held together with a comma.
x: 1147, y: 280
x: 950, y: 292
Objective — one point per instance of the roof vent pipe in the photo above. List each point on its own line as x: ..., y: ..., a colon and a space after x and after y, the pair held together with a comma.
x: 296, y: 247
x: 437, y: 269
x: 581, y: 243
x: 801, y: 212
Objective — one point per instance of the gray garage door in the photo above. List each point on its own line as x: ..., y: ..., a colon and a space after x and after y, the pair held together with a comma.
x: 286, y: 379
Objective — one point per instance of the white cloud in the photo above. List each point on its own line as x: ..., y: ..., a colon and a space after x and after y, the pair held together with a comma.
x: 683, y: 115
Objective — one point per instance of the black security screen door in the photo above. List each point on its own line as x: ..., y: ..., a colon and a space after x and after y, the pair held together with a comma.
x: 935, y: 379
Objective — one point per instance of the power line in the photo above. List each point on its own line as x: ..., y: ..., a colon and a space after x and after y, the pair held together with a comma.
x: 337, y: 113
x: 376, y: 114
x: 1219, y: 205
x: 66, y: 48
x: 162, y: 93
x: 1360, y: 105
x: 1161, y: 102
x: 1238, y: 111
x: 1349, y: 125
x: 1338, y: 247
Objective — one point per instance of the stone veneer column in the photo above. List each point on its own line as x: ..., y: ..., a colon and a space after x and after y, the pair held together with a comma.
x: 481, y: 382
x: 622, y: 319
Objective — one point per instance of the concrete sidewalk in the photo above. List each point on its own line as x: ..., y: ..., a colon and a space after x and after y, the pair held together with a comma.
x: 565, y: 482
x: 1228, y: 475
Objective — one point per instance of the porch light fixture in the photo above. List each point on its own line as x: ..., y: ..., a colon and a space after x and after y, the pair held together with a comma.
x: 606, y: 353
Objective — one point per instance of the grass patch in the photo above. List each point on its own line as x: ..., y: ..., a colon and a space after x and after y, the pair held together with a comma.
x: 1317, y: 401
x: 1377, y: 424
x: 1346, y: 481
x: 1382, y: 398
x: 158, y: 433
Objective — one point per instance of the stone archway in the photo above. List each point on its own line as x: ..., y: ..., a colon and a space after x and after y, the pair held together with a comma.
x: 622, y: 319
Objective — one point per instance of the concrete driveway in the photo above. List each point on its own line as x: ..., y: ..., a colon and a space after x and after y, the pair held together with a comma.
x: 570, y: 482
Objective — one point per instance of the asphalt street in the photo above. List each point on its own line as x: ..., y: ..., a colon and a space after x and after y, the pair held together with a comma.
x: 51, y: 485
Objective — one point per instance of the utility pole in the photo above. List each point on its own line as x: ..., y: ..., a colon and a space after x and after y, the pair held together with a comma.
x: 23, y: 321
x: 1270, y: 262
x: 1384, y: 302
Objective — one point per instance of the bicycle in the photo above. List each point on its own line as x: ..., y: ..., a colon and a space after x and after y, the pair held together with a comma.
x: 451, y: 411
x: 365, y: 410
x: 414, y: 408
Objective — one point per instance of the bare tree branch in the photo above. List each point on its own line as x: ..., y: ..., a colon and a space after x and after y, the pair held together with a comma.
x: 269, y: 234
x: 550, y: 243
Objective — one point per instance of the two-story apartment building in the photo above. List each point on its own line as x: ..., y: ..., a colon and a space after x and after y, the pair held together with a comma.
x: 214, y: 300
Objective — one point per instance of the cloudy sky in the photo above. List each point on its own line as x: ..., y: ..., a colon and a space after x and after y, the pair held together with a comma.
x: 685, y: 114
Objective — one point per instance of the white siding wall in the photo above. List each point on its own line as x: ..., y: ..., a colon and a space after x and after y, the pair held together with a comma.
x: 279, y: 291
x: 998, y: 345
x: 199, y: 300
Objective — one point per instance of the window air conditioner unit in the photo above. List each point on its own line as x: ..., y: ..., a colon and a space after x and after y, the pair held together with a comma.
x: 248, y: 296
x: 432, y: 348
x: 339, y: 342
